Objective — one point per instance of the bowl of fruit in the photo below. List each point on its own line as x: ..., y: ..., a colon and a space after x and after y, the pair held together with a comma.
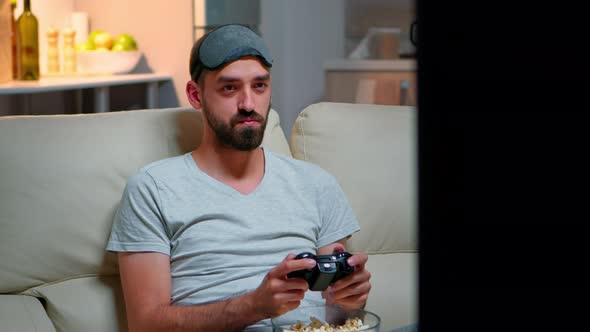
x: 104, y: 54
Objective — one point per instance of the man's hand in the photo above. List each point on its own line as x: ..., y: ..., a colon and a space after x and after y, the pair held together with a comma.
x: 352, y: 291
x: 278, y: 294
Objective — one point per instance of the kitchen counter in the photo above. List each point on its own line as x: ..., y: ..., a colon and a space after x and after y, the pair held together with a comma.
x: 57, y: 83
x: 99, y: 83
x: 370, y: 65
x: 385, y: 82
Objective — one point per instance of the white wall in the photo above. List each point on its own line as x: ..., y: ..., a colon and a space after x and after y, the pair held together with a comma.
x: 164, y: 33
x: 301, y: 35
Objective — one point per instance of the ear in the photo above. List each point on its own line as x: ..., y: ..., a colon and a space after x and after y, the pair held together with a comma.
x: 193, y: 93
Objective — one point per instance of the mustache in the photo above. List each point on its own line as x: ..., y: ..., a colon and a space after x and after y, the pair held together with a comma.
x: 246, y: 116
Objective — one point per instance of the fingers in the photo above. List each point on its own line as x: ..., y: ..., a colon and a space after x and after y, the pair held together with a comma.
x: 353, y: 302
x: 278, y: 281
x: 273, y: 303
x: 289, y: 265
x: 353, y: 289
x: 279, y: 285
x: 352, y: 297
x: 357, y: 277
x: 358, y: 261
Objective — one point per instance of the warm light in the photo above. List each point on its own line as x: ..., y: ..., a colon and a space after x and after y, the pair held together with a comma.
x: 199, y: 17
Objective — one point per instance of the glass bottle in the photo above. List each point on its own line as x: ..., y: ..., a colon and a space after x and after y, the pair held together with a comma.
x: 52, y: 51
x: 28, y: 44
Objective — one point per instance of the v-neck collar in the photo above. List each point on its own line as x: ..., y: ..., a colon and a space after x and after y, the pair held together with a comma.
x: 224, y: 187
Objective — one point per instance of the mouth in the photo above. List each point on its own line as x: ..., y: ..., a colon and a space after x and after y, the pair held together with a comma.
x: 248, y: 122
x: 247, y: 119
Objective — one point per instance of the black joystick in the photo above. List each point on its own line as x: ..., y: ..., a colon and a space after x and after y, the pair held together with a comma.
x: 328, y: 270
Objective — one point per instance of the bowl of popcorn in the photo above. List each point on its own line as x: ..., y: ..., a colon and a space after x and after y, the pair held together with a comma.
x: 326, y: 319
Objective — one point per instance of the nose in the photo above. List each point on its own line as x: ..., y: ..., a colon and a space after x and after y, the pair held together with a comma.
x: 246, y: 101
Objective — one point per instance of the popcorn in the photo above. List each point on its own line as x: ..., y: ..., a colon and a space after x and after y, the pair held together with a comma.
x: 316, y: 325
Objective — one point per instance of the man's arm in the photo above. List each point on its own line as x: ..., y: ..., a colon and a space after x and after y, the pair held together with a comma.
x: 353, y: 290
x: 339, y: 245
x: 146, y: 282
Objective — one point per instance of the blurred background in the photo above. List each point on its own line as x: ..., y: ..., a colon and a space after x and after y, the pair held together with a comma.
x: 329, y: 50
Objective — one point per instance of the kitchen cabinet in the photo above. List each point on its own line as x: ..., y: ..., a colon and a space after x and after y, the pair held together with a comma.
x: 385, y: 82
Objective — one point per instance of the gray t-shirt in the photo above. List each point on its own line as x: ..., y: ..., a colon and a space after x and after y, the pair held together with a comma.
x: 222, y: 243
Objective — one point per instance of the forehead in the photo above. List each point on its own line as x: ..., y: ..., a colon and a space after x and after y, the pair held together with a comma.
x: 246, y: 68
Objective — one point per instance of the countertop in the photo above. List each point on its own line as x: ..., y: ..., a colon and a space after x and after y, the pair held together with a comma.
x: 370, y: 65
x: 48, y: 84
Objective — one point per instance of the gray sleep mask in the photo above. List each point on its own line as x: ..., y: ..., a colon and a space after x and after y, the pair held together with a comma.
x: 228, y: 43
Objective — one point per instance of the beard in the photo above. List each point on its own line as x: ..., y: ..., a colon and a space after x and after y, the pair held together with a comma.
x: 242, y: 139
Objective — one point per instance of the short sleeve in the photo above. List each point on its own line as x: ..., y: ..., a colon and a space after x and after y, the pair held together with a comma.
x: 337, y: 218
x: 139, y: 225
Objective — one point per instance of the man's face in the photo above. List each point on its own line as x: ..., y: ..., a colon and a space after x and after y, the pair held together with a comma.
x: 236, y: 101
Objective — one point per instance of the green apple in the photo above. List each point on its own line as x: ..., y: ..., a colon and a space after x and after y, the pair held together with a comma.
x: 124, y: 42
x: 85, y: 46
x: 103, y: 40
x: 118, y: 48
x: 93, y: 34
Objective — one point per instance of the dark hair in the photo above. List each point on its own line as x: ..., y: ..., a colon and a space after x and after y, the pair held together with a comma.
x: 195, y: 65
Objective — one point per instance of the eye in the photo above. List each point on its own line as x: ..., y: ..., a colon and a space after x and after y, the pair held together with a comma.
x: 260, y: 86
x: 228, y: 88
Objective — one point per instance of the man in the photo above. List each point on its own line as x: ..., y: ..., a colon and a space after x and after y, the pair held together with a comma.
x: 205, y: 240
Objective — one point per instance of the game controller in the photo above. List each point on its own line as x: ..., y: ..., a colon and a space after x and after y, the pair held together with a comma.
x: 328, y: 270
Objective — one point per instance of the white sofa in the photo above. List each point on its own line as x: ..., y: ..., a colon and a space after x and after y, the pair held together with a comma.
x: 61, y: 178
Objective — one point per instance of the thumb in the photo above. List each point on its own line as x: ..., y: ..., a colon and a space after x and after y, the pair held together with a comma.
x: 281, y: 267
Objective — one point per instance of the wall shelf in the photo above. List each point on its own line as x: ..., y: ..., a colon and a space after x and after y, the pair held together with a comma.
x: 99, y: 83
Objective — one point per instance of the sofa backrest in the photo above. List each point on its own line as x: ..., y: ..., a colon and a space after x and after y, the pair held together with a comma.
x: 61, y: 179
x: 371, y: 149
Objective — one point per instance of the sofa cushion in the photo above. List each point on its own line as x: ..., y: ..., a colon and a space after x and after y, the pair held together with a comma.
x: 371, y: 150
x: 23, y: 313
x: 62, y: 179
x: 274, y: 137
x: 394, y: 289
x: 84, y: 304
